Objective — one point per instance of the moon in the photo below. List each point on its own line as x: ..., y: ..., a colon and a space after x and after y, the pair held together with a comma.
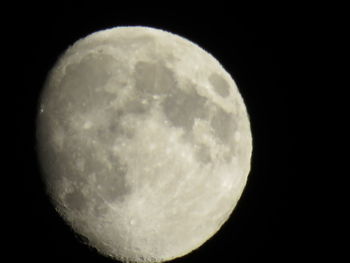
x: 144, y: 142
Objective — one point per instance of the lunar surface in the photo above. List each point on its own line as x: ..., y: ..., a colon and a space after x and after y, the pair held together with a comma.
x: 144, y: 142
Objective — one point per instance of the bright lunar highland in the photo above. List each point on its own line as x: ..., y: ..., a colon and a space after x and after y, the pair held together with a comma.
x: 144, y: 143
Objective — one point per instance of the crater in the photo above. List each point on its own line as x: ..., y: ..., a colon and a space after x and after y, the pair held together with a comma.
x: 219, y: 84
x: 181, y: 108
x: 115, y: 127
x: 75, y: 200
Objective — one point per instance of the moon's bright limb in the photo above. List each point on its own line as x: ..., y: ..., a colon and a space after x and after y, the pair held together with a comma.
x: 144, y: 141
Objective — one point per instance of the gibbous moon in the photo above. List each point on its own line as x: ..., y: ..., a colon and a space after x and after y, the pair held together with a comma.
x: 144, y: 142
